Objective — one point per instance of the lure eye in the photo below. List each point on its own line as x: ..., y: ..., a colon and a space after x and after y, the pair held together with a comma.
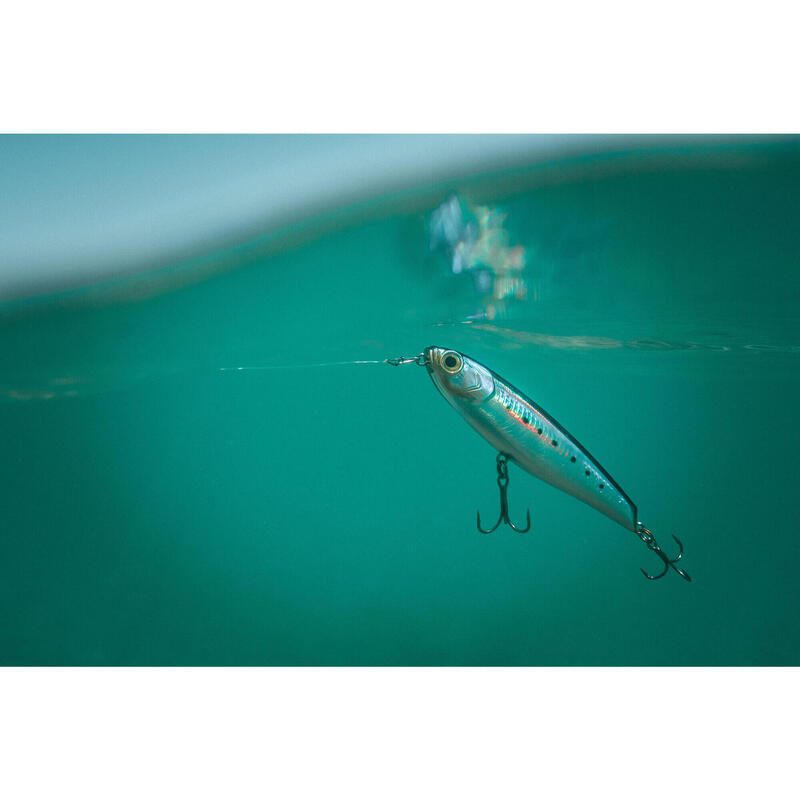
x: 452, y: 362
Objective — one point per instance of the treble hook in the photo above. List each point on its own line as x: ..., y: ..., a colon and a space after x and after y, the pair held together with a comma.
x: 653, y: 545
x: 502, y: 482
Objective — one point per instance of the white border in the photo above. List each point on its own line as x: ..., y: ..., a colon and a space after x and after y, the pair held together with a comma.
x: 358, y: 66
x: 398, y: 733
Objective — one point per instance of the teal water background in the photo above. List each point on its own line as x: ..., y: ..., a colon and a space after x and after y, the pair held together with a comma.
x: 161, y: 511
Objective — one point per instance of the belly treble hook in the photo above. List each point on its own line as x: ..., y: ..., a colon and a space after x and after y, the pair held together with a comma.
x: 502, y: 483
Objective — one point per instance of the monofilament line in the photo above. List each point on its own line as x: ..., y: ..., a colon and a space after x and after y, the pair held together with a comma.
x: 298, y: 366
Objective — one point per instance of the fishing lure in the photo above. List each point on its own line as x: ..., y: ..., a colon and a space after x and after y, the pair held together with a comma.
x: 524, y: 433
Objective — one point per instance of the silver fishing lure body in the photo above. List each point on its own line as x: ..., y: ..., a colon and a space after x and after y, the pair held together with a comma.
x: 513, y: 424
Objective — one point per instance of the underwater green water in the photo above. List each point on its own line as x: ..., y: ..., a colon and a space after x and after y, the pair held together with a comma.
x: 160, y: 511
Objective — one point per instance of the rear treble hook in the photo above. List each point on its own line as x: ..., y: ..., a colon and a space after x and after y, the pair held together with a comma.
x: 653, y: 545
x: 502, y: 482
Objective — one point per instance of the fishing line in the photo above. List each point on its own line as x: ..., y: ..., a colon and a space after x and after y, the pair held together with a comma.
x: 300, y: 366
x: 395, y: 362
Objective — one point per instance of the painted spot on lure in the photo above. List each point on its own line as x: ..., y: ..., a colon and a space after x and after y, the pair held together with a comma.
x: 524, y: 433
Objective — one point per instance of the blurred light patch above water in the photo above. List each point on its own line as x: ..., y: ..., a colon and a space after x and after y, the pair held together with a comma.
x: 474, y: 241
